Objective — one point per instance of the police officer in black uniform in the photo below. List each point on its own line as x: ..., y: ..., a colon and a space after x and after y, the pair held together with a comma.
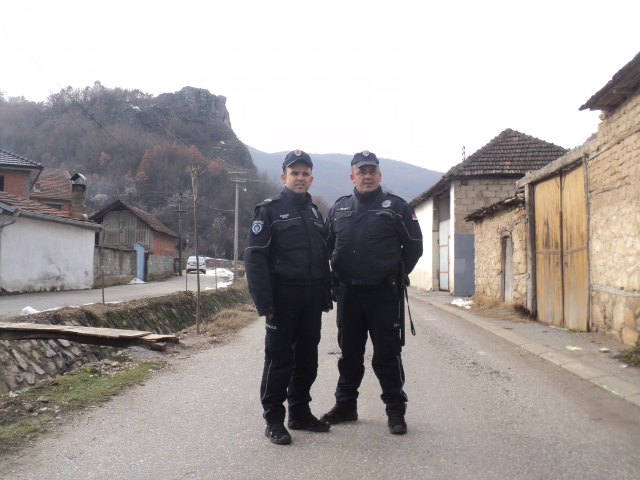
x: 287, y: 265
x: 371, y: 233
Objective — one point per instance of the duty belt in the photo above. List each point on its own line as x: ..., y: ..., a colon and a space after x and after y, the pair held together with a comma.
x: 293, y: 281
x: 364, y: 287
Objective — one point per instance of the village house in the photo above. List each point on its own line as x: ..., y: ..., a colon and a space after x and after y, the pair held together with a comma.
x: 127, y: 228
x: 53, y: 188
x: 18, y: 174
x: 42, y: 248
x: 490, y: 174
x: 582, y: 217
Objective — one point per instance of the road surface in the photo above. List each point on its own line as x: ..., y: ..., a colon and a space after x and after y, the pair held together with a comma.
x: 12, y: 305
x: 479, y: 408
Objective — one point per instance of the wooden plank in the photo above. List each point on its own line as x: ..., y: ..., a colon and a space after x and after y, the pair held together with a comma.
x: 548, y: 239
x: 162, y: 338
x: 574, y: 246
x: 531, y: 249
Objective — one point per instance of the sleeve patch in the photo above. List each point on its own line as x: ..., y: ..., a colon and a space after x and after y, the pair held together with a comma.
x: 414, y: 217
x: 256, y: 226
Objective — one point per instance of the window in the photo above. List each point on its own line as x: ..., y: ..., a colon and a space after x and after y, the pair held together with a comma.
x: 57, y: 206
x: 1, y: 183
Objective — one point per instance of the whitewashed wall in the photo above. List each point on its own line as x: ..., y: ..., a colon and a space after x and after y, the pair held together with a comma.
x: 36, y: 255
x: 425, y: 273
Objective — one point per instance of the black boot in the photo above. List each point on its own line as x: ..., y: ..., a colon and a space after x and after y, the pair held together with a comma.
x: 277, y: 433
x: 396, y: 423
x: 339, y: 414
x: 310, y: 423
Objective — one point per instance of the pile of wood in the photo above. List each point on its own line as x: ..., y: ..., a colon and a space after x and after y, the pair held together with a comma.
x: 111, y: 337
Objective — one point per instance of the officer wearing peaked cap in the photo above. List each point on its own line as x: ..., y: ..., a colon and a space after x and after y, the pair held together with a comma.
x: 287, y: 265
x: 371, y: 234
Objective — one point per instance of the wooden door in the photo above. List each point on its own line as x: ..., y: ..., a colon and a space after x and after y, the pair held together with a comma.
x: 443, y: 240
x: 574, y: 249
x: 548, y: 238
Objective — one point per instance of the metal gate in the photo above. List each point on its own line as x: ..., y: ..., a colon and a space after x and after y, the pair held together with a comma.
x: 443, y: 241
x: 140, y: 261
x: 561, y: 250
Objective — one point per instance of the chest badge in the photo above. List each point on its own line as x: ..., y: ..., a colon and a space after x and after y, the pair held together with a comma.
x: 386, y: 204
x: 256, y: 227
x: 284, y: 216
x: 315, y: 212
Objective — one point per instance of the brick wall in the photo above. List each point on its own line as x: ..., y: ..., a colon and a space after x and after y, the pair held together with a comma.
x: 15, y: 182
x: 614, y: 227
x: 163, y: 244
x: 489, y: 233
x: 478, y: 193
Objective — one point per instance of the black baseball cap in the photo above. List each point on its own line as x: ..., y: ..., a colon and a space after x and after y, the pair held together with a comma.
x: 363, y: 158
x: 296, y: 156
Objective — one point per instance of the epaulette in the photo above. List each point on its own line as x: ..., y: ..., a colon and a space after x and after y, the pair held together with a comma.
x: 397, y: 196
x: 344, y: 196
x: 267, y: 201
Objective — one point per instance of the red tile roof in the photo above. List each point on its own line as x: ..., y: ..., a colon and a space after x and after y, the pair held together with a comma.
x: 52, y: 184
x: 147, y: 218
x: 32, y: 206
x: 511, y: 153
x: 624, y: 83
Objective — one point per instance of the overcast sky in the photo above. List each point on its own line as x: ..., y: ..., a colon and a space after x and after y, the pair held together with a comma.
x: 410, y: 80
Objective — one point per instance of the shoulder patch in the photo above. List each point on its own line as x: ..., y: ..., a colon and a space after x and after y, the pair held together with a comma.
x: 256, y: 226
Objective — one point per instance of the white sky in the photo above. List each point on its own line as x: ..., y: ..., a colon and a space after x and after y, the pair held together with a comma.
x: 408, y: 80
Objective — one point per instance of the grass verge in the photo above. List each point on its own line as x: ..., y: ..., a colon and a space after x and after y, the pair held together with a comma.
x: 30, y: 413
x: 226, y: 322
x: 630, y: 356
x: 494, y: 308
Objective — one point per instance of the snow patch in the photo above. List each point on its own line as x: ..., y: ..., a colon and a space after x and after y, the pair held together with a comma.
x: 222, y: 272
x: 459, y: 302
x: 136, y: 281
x: 28, y: 311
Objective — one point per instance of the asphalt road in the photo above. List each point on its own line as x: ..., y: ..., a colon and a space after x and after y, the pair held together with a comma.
x: 480, y: 408
x: 12, y: 305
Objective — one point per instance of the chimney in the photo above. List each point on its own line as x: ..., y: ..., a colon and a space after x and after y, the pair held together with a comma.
x: 78, y: 209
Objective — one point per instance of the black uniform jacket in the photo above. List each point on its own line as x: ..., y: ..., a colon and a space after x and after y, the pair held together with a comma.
x: 370, y: 234
x: 287, y: 241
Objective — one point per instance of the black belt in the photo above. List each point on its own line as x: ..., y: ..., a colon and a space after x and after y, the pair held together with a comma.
x: 293, y: 281
x: 364, y: 287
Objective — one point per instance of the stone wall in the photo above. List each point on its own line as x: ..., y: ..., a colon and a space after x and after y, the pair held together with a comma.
x: 489, y: 234
x: 478, y: 193
x: 119, y: 266
x: 23, y: 363
x: 614, y: 226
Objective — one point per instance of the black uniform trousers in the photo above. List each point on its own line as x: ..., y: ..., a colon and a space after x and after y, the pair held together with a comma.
x: 291, y: 351
x: 376, y: 312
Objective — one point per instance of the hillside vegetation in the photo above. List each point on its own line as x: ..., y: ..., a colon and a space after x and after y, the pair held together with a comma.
x: 137, y: 147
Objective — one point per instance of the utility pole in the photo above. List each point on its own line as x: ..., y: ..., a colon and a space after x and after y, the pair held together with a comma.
x: 180, y: 233
x: 235, y: 236
x: 195, y: 182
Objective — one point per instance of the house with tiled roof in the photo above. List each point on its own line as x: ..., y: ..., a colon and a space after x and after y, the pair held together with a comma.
x: 583, y: 222
x: 42, y: 248
x: 53, y: 188
x: 127, y: 227
x: 18, y: 174
x: 489, y: 175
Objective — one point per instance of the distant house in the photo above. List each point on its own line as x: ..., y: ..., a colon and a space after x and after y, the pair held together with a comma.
x: 583, y: 215
x: 490, y: 174
x: 53, y: 188
x: 42, y: 248
x: 18, y: 174
x: 126, y: 226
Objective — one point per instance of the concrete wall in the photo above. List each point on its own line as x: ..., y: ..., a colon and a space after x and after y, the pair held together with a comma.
x: 38, y: 255
x: 159, y: 266
x: 425, y: 273
x: 489, y: 233
x: 614, y: 226
x: 119, y: 266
